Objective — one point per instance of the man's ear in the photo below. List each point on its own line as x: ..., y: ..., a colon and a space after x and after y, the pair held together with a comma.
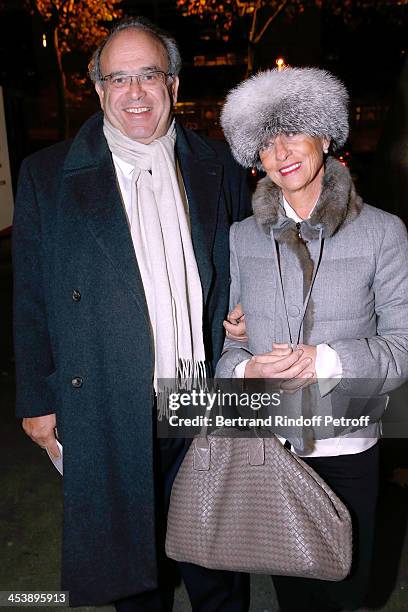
x: 174, y: 89
x: 101, y: 93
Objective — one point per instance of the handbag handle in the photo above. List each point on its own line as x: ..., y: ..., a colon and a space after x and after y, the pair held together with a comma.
x: 202, y: 452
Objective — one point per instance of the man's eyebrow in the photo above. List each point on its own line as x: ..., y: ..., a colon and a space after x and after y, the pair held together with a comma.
x: 154, y: 67
x: 139, y: 70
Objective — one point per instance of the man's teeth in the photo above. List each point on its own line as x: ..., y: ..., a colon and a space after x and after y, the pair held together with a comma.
x: 136, y: 111
x: 290, y: 168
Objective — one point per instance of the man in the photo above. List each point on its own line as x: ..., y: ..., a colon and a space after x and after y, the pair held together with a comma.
x: 114, y: 291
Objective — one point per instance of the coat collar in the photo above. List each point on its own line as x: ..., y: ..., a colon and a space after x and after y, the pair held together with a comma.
x: 90, y: 180
x: 89, y: 146
x: 338, y: 204
x: 202, y: 175
x: 90, y: 192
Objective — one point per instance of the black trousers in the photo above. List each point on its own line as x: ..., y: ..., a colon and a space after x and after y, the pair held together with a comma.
x: 209, y: 590
x: 354, y: 478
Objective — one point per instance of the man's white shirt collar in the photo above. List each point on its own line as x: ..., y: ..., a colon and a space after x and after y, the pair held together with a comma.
x: 126, y: 168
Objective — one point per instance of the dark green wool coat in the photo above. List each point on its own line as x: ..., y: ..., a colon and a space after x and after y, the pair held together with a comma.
x: 84, y: 346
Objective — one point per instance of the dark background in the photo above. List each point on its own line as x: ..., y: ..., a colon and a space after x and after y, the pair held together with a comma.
x: 370, y: 54
x: 367, y: 49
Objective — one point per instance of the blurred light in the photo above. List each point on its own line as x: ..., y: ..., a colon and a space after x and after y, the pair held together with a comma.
x: 44, y: 41
x: 280, y: 62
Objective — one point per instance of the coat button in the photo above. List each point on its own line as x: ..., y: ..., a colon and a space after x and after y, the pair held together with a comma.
x: 76, y: 296
x: 77, y: 382
x: 293, y: 311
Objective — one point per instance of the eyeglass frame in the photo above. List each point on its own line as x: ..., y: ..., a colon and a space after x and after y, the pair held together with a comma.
x: 107, y: 78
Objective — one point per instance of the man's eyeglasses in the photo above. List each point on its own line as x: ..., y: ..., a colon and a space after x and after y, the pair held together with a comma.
x: 153, y: 78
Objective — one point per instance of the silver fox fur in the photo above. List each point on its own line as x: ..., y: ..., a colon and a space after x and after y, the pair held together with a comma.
x: 294, y: 100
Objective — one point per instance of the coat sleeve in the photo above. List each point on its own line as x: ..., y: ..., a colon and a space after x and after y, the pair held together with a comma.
x: 381, y: 361
x: 33, y: 355
x: 233, y: 351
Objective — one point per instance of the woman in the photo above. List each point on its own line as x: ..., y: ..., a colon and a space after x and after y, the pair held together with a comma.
x: 323, y: 282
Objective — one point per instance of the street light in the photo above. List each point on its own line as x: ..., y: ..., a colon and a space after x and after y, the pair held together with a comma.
x: 280, y: 63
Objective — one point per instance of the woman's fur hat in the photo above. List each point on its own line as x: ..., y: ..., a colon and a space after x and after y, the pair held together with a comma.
x: 293, y: 100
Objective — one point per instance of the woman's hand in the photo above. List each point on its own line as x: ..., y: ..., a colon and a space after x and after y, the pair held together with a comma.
x: 291, y: 369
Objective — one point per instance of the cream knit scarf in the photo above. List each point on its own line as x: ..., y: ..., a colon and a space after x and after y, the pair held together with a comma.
x: 164, y: 251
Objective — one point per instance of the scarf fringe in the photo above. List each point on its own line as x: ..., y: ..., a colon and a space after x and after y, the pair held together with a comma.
x: 190, y: 375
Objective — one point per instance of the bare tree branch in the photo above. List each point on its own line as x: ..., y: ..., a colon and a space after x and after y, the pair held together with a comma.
x: 269, y: 21
x: 34, y: 8
x: 253, y: 25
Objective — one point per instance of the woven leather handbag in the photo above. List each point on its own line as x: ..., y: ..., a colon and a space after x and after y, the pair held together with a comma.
x: 251, y: 505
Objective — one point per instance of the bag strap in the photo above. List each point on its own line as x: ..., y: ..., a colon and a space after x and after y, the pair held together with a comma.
x: 294, y: 341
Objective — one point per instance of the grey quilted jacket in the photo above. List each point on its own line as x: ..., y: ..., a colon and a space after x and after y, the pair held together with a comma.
x: 356, y: 258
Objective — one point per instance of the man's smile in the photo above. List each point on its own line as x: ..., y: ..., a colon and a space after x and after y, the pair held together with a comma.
x: 137, y: 110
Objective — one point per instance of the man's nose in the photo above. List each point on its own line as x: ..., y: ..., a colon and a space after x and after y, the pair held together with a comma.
x: 135, y: 88
x: 282, y: 150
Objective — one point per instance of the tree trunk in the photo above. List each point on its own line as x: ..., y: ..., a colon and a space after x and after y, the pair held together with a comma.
x: 63, y: 123
x: 251, y: 59
x: 256, y: 34
x: 251, y: 44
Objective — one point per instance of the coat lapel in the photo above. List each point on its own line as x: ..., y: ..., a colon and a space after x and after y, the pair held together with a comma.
x: 90, y: 183
x: 202, y: 176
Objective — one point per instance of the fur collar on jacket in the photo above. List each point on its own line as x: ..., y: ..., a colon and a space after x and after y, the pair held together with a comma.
x: 338, y: 204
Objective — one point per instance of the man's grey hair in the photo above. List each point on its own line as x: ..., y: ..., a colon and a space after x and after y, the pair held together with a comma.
x: 294, y: 100
x: 144, y: 25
